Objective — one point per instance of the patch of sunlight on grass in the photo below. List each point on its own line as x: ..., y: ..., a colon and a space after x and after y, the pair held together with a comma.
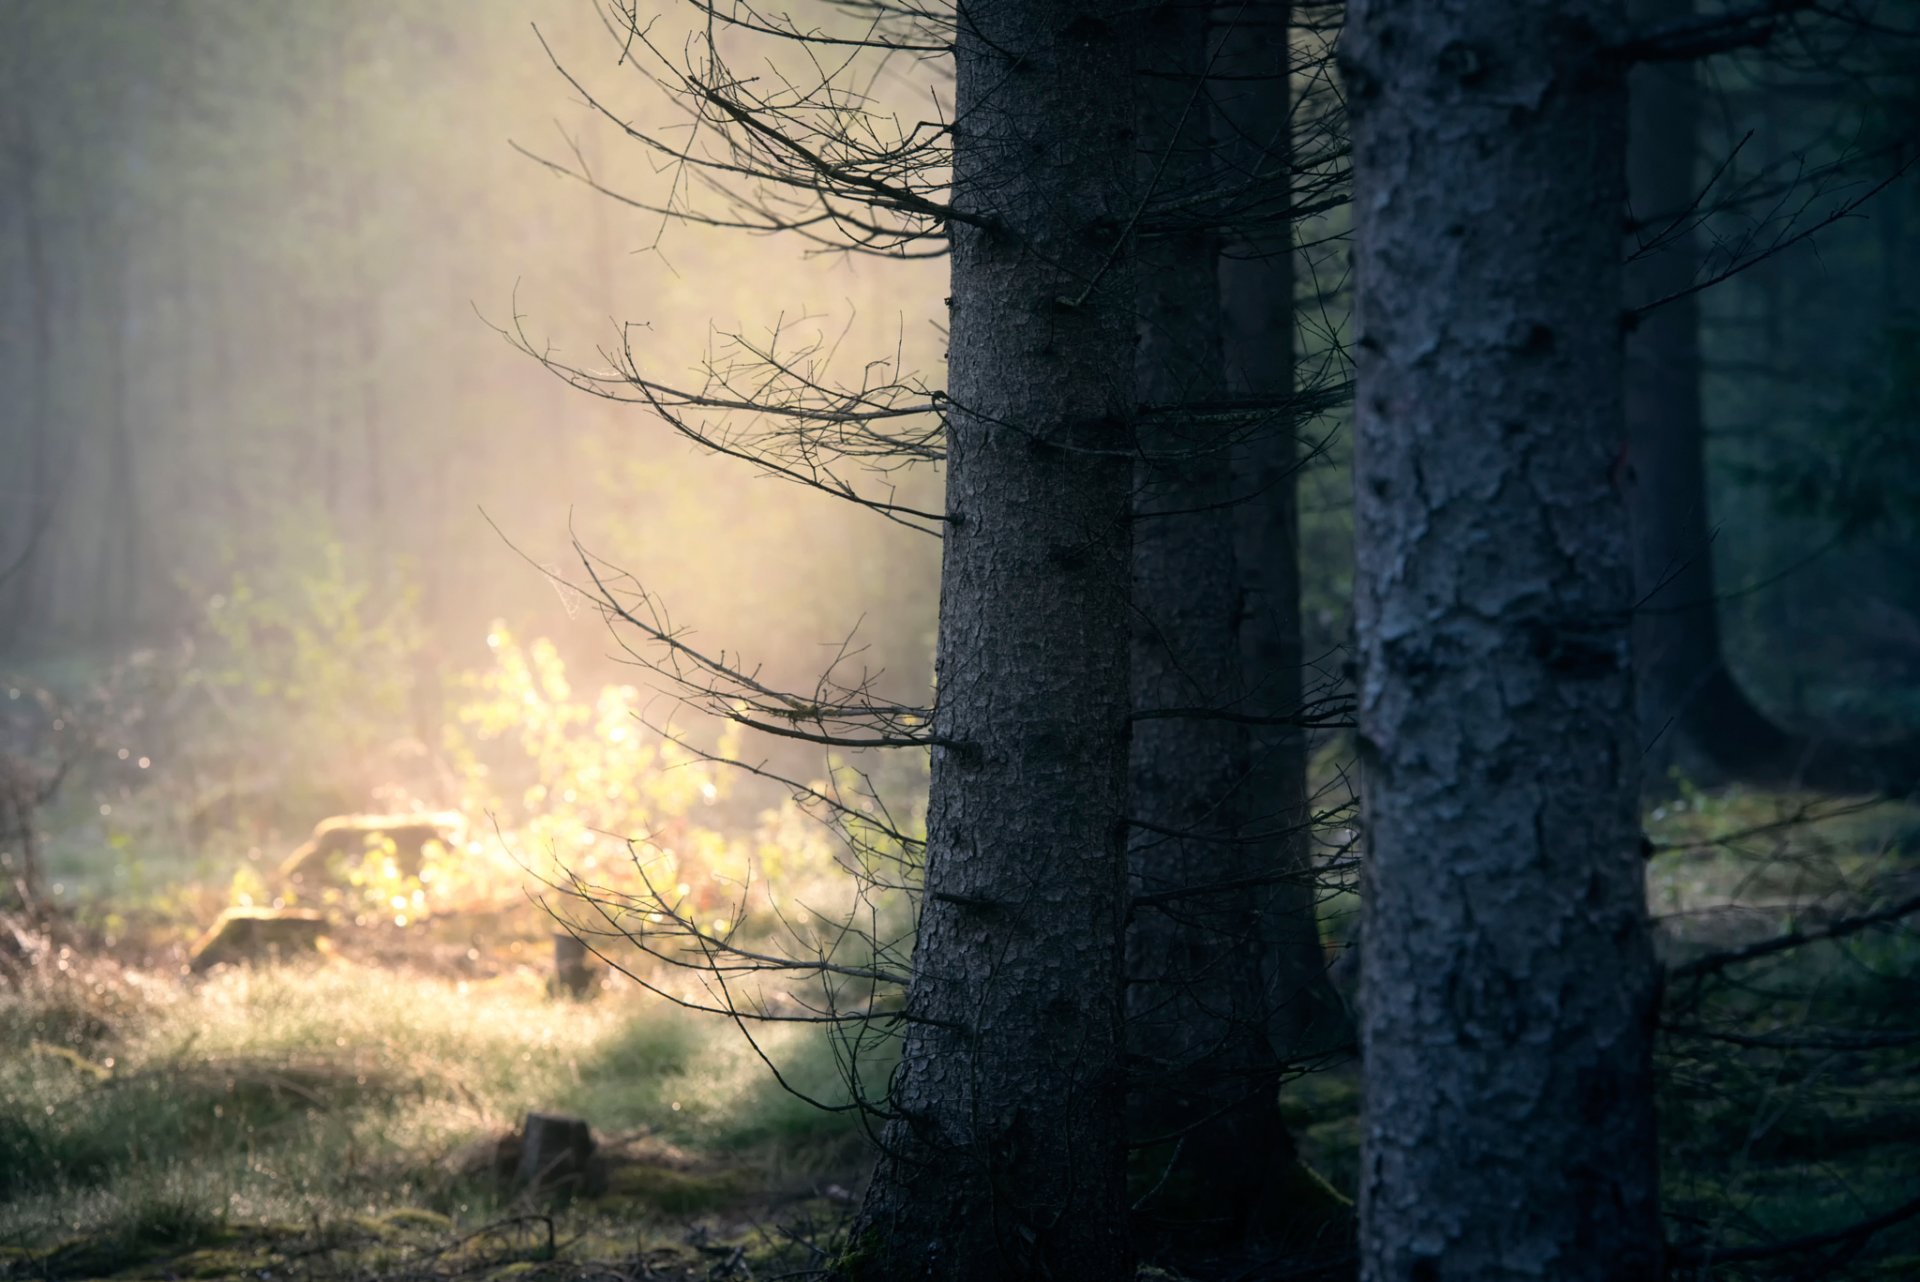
x: 698, y: 1081
x: 302, y: 1094
x: 497, y: 1044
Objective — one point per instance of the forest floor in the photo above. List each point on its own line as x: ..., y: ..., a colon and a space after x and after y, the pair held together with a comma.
x: 340, y: 1116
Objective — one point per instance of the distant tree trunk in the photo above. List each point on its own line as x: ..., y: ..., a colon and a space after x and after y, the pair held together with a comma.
x: 1508, y: 985
x: 1693, y: 714
x: 31, y: 495
x: 372, y: 422
x: 1007, y: 1159
x: 1203, y: 1102
x: 325, y: 406
x: 1253, y: 123
x: 120, y: 578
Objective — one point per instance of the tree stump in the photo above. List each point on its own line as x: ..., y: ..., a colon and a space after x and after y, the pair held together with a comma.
x: 250, y: 934
x: 573, y: 969
x: 556, y: 1154
x: 345, y: 837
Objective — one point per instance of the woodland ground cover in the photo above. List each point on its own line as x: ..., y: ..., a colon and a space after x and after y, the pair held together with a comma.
x: 342, y: 1111
x: 344, y: 1114
x: 335, y: 1116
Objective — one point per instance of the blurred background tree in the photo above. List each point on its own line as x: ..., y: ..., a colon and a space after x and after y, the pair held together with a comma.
x: 265, y: 434
x: 253, y: 253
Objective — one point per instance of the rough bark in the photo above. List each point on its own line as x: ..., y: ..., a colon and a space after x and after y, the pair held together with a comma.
x: 1693, y: 714
x: 1508, y: 986
x: 1202, y: 1109
x: 1007, y: 1158
x: 1253, y: 120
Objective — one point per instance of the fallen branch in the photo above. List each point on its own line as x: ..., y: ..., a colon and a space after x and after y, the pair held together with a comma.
x: 1713, y: 963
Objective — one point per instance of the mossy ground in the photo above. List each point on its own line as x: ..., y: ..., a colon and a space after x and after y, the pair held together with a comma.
x: 340, y: 1116
x: 331, y: 1118
x: 1789, y: 1087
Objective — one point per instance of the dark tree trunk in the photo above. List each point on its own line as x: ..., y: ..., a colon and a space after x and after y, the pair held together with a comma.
x: 1007, y: 1159
x: 1253, y: 120
x: 1509, y: 987
x: 1693, y: 714
x: 1203, y: 1105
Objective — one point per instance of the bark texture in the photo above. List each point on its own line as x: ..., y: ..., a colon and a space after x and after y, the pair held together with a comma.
x: 1693, y: 714
x: 1508, y: 986
x: 1203, y: 1107
x: 1007, y: 1159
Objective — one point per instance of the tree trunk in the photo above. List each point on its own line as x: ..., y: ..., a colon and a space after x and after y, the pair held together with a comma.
x: 556, y: 1153
x: 119, y: 606
x: 1006, y: 1159
x: 1202, y: 1107
x: 1254, y: 113
x: 1508, y: 985
x: 1693, y: 714
x: 32, y: 495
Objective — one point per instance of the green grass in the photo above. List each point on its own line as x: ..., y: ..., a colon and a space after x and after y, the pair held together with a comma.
x: 1762, y: 1145
x: 1818, y: 1126
x: 147, y: 1117
x: 336, y: 1111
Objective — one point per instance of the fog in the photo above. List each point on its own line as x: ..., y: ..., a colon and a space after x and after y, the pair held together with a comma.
x: 257, y: 262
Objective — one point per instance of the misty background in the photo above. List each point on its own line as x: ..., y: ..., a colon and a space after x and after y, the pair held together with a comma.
x: 255, y: 261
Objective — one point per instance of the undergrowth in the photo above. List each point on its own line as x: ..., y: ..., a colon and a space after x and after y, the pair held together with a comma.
x: 145, y: 1116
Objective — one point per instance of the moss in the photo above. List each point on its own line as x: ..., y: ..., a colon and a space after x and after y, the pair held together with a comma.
x: 1331, y: 1148
x: 218, y: 1263
x: 164, y: 1228
x: 674, y: 1192
x: 856, y: 1263
x: 413, y: 1219
x: 1318, y: 1097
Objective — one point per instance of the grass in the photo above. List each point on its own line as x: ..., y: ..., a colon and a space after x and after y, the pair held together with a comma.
x: 342, y: 1113
x: 1790, y: 1085
x: 142, y: 1118
x: 1761, y: 1143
